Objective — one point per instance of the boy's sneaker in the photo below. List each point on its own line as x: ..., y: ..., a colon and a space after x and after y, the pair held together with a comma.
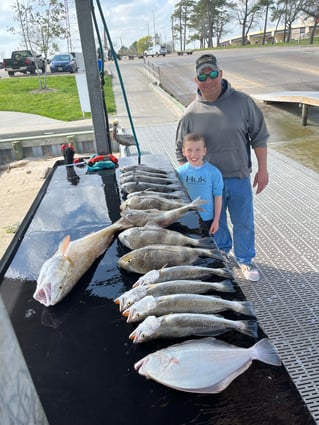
x: 250, y: 272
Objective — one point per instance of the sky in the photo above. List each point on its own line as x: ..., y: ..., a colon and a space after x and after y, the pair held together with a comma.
x: 127, y: 21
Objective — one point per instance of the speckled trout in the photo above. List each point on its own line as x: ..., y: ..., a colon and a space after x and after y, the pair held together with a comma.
x: 220, y: 363
x: 60, y: 273
x: 177, y: 325
x: 181, y: 272
x: 184, y: 303
x: 172, y: 287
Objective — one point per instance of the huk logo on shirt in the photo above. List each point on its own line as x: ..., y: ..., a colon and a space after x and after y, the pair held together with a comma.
x: 192, y: 179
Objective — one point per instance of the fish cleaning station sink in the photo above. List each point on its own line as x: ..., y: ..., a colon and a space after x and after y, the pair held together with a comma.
x: 76, y: 364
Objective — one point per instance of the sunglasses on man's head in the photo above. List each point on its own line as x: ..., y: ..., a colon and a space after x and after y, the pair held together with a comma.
x: 212, y: 75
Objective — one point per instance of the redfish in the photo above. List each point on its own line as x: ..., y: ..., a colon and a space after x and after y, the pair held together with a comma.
x: 60, y: 273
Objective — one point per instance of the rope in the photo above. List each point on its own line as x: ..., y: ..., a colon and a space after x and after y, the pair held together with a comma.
x: 121, y: 80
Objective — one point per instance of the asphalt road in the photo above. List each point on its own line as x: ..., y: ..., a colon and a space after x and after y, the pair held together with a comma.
x: 255, y: 70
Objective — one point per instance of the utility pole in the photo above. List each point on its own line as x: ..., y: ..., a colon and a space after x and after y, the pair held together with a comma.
x: 83, y: 11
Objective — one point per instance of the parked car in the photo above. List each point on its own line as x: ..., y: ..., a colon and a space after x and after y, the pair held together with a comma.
x: 64, y: 62
x: 24, y: 61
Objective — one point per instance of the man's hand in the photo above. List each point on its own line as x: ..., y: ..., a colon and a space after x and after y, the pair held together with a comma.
x: 260, y: 181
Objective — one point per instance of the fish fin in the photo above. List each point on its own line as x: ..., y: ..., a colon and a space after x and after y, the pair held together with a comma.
x: 249, y: 327
x: 265, y: 352
x: 64, y: 245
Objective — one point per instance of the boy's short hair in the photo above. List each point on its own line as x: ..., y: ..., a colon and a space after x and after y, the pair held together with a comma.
x: 193, y: 137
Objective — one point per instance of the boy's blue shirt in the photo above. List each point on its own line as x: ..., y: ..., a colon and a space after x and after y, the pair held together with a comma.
x: 205, y: 181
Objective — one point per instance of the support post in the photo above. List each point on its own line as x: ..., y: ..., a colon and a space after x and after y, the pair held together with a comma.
x: 84, y: 16
x: 304, y: 114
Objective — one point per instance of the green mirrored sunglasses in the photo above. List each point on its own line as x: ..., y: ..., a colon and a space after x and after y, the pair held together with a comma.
x: 212, y: 75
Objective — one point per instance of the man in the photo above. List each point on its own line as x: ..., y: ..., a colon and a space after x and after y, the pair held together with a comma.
x: 232, y: 124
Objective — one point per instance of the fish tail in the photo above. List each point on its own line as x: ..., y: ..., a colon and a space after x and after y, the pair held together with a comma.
x: 205, y: 242
x: 248, y: 327
x: 215, y: 253
x: 265, y: 352
x: 227, y: 286
x: 197, y: 203
x: 246, y: 307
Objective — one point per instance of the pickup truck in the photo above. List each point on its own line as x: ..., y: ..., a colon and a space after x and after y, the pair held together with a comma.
x: 156, y: 51
x: 24, y: 61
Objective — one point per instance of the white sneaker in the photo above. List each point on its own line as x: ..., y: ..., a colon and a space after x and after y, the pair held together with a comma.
x: 250, y: 272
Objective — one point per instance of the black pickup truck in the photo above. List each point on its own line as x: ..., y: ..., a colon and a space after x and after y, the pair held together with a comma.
x: 24, y: 61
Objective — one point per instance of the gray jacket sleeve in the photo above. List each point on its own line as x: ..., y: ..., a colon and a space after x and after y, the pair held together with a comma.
x: 180, y: 133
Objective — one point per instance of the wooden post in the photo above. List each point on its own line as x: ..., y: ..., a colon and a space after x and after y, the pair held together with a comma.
x: 304, y: 114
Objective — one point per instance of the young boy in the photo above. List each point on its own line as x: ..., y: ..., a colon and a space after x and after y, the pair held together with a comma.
x: 202, y: 179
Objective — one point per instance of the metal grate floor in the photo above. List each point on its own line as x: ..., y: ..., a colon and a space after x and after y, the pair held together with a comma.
x: 287, y: 236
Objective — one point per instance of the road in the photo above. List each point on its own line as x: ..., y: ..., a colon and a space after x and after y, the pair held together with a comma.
x: 254, y: 70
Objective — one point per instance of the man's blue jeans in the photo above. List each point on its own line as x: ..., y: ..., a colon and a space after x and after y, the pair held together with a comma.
x: 238, y: 200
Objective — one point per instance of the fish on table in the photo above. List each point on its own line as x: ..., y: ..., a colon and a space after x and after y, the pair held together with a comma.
x: 143, y: 259
x: 59, y: 274
x: 142, y: 167
x: 144, y: 178
x: 184, y: 303
x: 181, y: 272
x: 151, y: 202
x: 161, y: 218
x: 141, y: 173
x: 176, y: 194
x: 138, y: 237
x: 172, y: 287
x: 131, y: 187
x: 216, y: 364
x: 178, y: 325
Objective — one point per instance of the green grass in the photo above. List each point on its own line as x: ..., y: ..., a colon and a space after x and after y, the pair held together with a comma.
x: 60, y: 100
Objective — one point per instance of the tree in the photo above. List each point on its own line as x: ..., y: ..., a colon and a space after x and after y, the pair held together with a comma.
x: 181, y: 16
x: 311, y: 8
x: 209, y: 20
x: 265, y: 6
x: 247, y: 15
x: 42, y: 23
x: 289, y: 10
x: 143, y: 44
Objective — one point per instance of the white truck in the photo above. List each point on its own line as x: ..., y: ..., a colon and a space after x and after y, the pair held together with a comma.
x: 156, y: 50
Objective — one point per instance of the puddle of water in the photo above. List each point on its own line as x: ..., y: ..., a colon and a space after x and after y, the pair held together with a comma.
x: 289, y: 137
